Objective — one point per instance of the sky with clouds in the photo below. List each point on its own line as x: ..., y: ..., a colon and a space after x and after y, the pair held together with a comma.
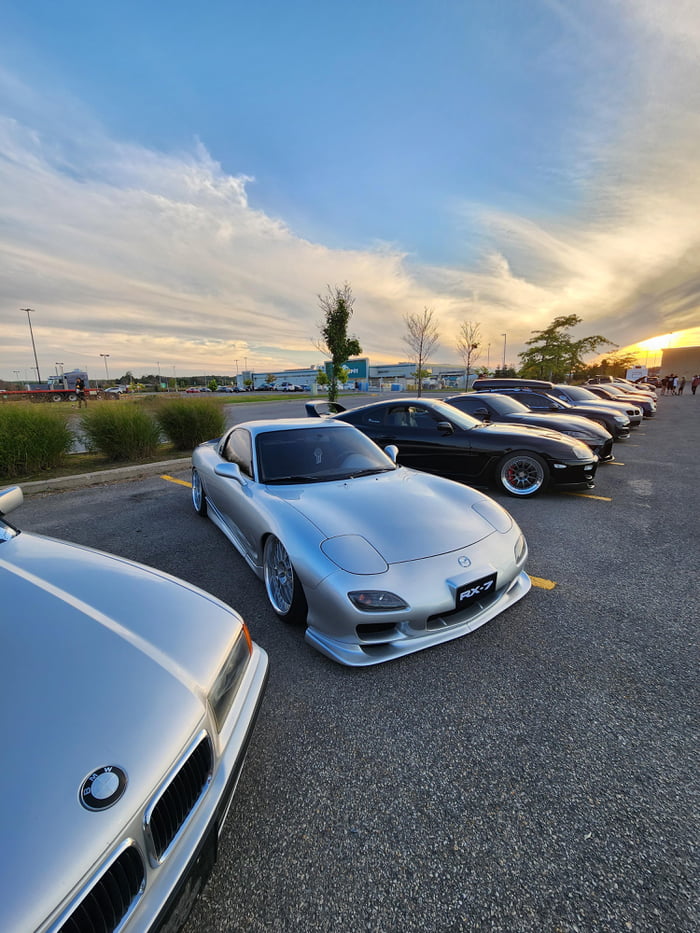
x: 178, y: 183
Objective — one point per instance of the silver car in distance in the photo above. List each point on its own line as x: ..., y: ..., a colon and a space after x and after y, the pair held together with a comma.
x: 375, y: 559
x: 128, y: 698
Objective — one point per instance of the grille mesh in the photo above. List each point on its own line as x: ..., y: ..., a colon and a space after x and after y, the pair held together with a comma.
x: 107, y: 902
x: 178, y: 799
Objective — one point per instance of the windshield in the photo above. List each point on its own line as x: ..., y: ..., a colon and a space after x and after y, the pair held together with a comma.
x: 452, y: 414
x: 581, y: 394
x: 508, y: 406
x: 318, y: 455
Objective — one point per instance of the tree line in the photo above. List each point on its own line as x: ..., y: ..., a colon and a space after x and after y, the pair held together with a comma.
x: 552, y: 354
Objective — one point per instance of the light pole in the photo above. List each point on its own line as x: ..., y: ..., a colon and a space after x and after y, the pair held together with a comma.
x: 504, y: 350
x: 31, y: 334
x: 488, y: 356
x: 105, y: 357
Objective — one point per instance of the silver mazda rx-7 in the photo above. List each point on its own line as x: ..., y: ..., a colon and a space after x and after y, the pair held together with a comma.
x: 377, y: 560
x: 127, y: 698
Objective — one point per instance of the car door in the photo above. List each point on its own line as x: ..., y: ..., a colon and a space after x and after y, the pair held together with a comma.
x: 235, y: 501
x: 429, y: 440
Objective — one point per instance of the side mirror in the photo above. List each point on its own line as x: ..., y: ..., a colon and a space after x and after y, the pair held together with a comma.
x: 392, y: 451
x: 445, y: 428
x: 10, y: 499
x: 230, y: 471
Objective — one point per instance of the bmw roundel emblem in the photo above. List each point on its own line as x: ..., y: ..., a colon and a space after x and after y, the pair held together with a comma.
x: 103, y: 787
x: 464, y: 561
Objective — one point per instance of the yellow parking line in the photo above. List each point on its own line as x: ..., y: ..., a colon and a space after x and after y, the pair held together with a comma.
x: 586, y: 495
x: 180, y: 482
x: 614, y: 463
x: 542, y: 583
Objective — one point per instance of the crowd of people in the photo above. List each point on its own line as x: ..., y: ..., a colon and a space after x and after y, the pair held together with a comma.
x: 674, y: 384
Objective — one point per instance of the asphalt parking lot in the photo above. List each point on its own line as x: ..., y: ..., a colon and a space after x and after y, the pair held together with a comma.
x: 537, y: 775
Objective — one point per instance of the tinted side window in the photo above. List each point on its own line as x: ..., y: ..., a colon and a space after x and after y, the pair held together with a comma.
x: 238, y: 449
x: 470, y: 405
x: 532, y: 400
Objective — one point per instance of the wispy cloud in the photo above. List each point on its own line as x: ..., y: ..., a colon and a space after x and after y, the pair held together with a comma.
x: 160, y: 258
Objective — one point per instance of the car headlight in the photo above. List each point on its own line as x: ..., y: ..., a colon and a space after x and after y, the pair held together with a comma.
x: 376, y: 601
x: 621, y: 419
x: 494, y: 514
x: 223, y: 693
x: 581, y: 452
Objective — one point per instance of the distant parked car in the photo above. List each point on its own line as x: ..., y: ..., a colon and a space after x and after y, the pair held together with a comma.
x: 582, y: 394
x: 289, y: 387
x: 613, y: 392
x: 129, y: 697
x: 538, y: 396
x: 193, y: 389
x: 502, y: 409
x: 116, y: 390
x: 637, y: 386
x: 227, y: 389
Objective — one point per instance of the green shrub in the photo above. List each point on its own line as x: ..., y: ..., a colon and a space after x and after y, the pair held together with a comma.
x: 120, y: 432
x: 188, y: 422
x: 31, y: 439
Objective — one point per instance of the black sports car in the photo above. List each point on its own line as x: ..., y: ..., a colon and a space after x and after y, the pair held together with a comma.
x: 438, y: 438
x: 538, y: 396
x: 502, y: 409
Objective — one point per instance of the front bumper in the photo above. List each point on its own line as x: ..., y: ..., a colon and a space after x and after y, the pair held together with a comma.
x: 574, y: 473
x: 430, y: 589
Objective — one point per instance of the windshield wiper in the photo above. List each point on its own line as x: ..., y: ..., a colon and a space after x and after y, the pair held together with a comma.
x: 289, y: 480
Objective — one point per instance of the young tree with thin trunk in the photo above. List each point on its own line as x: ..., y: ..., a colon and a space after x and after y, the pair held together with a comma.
x: 468, y: 343
x: 421, y: 338
x: 337, y: 306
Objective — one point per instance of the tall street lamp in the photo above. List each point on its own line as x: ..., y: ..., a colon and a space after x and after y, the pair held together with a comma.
x: 504, y: 349
x: 105, y: 357
x: 31, y: 334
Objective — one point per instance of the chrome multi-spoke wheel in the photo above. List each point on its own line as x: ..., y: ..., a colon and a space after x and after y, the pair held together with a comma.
x: 281, y: 582
x: 199, y: 500
x: 522, y: 474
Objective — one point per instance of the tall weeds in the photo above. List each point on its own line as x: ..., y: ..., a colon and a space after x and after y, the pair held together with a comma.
x: 120, y: 432
x: 188, y: 422
x: 31, y: 439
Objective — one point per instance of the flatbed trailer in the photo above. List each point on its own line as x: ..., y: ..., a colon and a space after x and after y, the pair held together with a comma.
x: 45, y: 395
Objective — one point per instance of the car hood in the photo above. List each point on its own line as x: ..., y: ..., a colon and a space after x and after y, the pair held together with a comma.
x: 404, y: 514
x: 83, y: 688
x: 560, y: 423
x: 525, y: 431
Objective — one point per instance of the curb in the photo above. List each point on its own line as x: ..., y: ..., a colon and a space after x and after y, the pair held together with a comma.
x: 101, y: 477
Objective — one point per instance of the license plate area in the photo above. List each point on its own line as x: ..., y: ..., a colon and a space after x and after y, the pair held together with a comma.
x: 470, y: 593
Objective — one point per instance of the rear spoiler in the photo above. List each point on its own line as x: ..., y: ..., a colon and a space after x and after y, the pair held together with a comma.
x: 323, y: 409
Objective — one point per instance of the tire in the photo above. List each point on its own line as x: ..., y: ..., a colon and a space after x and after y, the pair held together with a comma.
x: 72, y: 397
x: 282, y: 584
x: 522, y: 473
x: 199, y: 499
x: 56, y: 397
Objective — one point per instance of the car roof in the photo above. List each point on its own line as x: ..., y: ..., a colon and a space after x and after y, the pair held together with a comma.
x: 292, y: 424
x: 512, y: 384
